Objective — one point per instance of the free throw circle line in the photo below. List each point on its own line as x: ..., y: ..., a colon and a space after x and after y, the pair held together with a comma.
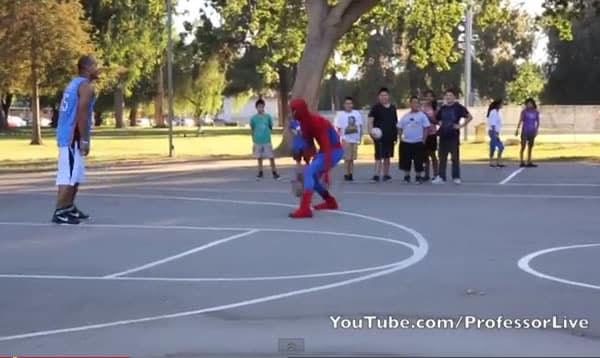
x: 211, y: 244
x: 419, y: 254
x: 524, y: 264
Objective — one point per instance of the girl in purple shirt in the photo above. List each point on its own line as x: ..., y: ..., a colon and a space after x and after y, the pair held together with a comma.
x: 529, y: 124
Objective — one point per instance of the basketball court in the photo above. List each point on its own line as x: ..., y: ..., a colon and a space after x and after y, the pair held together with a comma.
x: 203, y: 260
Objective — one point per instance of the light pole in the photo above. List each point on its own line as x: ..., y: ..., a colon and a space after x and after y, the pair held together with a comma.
x: 170, y: 73
x: 468, y: 54
x: 468, y: 46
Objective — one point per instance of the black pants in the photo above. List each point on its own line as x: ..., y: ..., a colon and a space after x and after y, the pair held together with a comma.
x: 412, y: 153
x: 449, y: 146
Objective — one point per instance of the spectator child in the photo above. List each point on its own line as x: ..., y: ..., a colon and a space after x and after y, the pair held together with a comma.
x: 431, y: 143
x: 494, y: 127
x: 262, y: 126
x: 383, y: 115
x: 349, y: 125
x: 412, y: 130
x: 529, y: 124
x: 449, y: 119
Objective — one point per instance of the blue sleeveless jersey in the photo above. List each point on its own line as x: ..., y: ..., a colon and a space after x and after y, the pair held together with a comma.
x: 298, y: 143
x: 67, y: 115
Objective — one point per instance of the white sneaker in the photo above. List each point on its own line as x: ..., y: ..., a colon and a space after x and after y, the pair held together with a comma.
x: 457, y: 181
x: 438, y: 180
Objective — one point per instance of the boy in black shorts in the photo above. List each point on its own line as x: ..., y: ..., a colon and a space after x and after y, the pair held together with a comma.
x: 412, y: 130
x: 383, y: 115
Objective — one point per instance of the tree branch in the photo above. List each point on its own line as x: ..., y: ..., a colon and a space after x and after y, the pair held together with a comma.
x: 356, y: 9
x: 316, y: 11
x: 336, y: 13
x: 189, y: 99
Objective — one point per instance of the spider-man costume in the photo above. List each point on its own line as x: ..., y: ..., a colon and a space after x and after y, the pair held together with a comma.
x: 316, y: 128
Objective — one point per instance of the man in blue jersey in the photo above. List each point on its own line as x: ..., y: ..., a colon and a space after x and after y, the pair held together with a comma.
x: 73, y: 139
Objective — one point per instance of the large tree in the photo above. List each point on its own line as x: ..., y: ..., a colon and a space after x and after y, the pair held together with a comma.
x: 431, y: 22
x: 200, y: 88
x: 573, y: 73
x: 131, y: 36
x: 41, y: 43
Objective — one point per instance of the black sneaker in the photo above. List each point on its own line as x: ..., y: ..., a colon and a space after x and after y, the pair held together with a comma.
x: 350, y: 177
x: 259, y: 176
x: 78, y: 214
x: 387, y: 178
x: 407, y: 179
x: 419, y: 180
x: 375, y: 179
x: 276, y: 176
x: 63, y: 218
x: 522, y: 165
x: 531, y: 165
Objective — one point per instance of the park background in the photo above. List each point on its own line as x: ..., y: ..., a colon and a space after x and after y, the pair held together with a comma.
x: 227, y: 54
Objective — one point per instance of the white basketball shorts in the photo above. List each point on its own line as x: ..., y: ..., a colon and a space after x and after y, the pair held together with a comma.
x: 71, y: 166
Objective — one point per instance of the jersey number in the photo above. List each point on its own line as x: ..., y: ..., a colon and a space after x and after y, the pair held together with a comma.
x: 64, y: 104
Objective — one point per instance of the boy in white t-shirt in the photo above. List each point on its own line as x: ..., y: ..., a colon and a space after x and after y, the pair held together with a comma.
x: 349, y: 125
x: 413, y: 130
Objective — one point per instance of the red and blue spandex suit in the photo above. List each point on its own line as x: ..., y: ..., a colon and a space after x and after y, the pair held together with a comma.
x: 317, y: 129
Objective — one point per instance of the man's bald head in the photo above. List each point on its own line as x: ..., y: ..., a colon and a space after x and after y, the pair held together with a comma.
x: 88, y: 67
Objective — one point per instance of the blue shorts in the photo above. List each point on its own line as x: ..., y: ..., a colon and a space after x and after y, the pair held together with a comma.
x: 316, y: 168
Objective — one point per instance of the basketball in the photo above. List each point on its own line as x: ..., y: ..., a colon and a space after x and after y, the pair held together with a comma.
x: 298, y: 183
x: 376, y: 133
x: 297, y: 188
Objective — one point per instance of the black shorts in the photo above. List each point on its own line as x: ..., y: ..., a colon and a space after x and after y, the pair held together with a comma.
x: 412, y: 153
x: 384, y: 149
x: 431, y: 143
x: 528, y: 139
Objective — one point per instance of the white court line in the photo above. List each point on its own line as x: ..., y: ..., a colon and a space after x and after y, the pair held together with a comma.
x: 374, y: 193
x: 511, y: 176
x: 369, y: 193
x: 183, y: 254
x: 419, y: 254
x: 216, y: 279
x: 524, y: 264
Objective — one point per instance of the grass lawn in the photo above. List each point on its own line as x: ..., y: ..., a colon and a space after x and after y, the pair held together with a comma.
x: 110, y: 146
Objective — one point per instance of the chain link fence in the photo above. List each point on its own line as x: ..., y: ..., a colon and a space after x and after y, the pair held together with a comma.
x: 569, y: 124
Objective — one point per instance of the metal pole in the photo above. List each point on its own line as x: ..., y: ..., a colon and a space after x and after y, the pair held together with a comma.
x: 170, y: 73
x: 468, y: 59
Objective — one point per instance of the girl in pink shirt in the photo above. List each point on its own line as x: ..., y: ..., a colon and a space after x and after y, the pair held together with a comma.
x: 429, y: 107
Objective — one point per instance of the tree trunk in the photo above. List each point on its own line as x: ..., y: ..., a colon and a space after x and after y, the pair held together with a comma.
x: 333, y: 83
x: 97, y: 118
x: 133, y: 115
x: 3, y: 116
x: 159, y: 100
x: 5, y: 101
x: 36, y: 131
x: 326, y: 26
x: 284, y: 90
x: 119, y: 106
x: 308, y: 79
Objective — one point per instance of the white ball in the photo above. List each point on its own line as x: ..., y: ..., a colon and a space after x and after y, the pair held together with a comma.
x: 376, y: 133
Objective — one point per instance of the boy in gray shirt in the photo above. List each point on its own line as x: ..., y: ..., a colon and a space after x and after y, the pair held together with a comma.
x: 412, y: 131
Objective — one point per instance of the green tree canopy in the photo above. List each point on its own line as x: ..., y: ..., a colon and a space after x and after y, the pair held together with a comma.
x: 42, y: 41
x: 529, y: 82
x: 131, y: 37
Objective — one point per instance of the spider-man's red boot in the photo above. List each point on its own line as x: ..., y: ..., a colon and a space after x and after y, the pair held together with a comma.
x: 329, y: 204
x: 304, y: 210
